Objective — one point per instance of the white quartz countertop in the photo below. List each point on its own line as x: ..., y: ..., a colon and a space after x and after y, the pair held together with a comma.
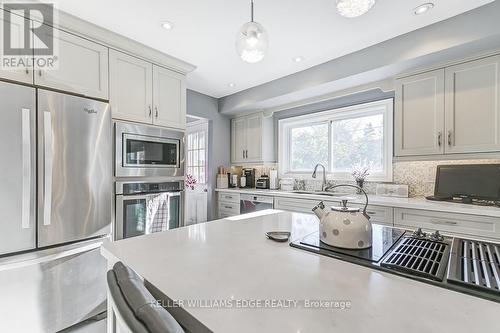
x: 411, y: 203
x: 231, y: 260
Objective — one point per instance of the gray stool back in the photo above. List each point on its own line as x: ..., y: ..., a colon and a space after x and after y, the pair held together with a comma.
x: 139, y: 310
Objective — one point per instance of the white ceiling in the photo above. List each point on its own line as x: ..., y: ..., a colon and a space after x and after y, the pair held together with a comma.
x: 204, y: 32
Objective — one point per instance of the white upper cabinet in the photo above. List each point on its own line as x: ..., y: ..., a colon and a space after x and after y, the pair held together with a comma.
x: 238, y: 140
x: 169, y: 98
x: 22, y: 73
x: 419, y: 116
x: 454, y: 110
x: 146, y: 93
x: 81, y: 66
x: 473, y: 106
x: 131, y: 87
x: 252, y: 139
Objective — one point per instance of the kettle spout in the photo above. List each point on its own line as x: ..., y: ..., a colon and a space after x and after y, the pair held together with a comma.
x: 319, y: 210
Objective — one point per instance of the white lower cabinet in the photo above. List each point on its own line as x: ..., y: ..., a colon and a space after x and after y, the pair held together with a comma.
x: 295, y: 205
x: 452, y: 223
x: 228, y: 204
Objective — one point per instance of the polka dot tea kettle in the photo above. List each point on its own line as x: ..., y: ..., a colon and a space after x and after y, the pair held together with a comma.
x: 343, y: 226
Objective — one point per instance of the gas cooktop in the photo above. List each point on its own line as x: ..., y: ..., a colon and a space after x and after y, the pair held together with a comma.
x: 471, y: 267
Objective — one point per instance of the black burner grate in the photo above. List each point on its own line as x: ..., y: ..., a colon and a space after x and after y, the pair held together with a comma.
x: 475, y: 263
x: 422, y: 257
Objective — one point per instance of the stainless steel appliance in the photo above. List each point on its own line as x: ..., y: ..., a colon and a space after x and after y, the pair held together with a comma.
x: 467, y: 266
x: 262, y: 182
x: 148, y: 151
x: 252, y: 203
x: 136, y: 211
x: 51, y: 272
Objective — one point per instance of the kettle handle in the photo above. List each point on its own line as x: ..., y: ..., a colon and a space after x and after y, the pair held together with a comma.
x: 356, y: 187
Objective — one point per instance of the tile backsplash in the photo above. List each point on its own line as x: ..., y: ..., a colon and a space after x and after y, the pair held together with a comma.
x: 418, y: 175
x: 421, y: 175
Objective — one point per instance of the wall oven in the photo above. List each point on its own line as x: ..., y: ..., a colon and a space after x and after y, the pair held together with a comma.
x: 147, y: 207
x: 148, y: 151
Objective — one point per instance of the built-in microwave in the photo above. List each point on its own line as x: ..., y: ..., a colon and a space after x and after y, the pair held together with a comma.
x: 148, y: 151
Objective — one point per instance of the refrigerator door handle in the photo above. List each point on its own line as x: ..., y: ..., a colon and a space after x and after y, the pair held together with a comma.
x: 27, y: 185
x: 47, y: 154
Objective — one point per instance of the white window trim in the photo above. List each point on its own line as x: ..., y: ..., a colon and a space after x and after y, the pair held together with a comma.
x: 198, y: 126
x: 383, y: 106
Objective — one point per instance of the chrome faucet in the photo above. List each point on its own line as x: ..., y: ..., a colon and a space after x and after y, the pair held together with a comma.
x: 323, y: 185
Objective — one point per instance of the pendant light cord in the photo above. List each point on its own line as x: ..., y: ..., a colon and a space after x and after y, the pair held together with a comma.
x: 251, y: 10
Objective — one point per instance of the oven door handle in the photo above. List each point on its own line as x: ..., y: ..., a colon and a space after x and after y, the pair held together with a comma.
x: 145, y: 195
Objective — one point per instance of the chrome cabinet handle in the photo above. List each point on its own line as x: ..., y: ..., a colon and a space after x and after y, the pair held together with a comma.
x: 27, y: 168
x: 40, y: 72
x: 27, y: 71
x: 449, y: 138
x: 47, y: 165
x: 228, y: 207
x: 243, y: 153
x: 156, y: 111
x: 439, y: 139
x: 150, y: 111
x: 443, y: 222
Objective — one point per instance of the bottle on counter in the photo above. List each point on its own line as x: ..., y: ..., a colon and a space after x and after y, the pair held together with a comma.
x: 243, y: 180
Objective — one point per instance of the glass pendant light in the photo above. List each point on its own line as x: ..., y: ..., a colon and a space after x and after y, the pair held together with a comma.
x: 251, y: 41
x: 354, y: 8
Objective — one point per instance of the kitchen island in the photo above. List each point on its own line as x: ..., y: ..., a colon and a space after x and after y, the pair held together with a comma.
x: 228, y: 277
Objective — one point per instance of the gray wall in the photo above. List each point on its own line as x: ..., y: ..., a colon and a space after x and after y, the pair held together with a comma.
x: 204, y: 106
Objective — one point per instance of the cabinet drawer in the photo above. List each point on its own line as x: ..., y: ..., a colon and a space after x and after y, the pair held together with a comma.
x: 295, y: 205
x: 229, y: 197
x: 461, y: 224
x: 229, y: 208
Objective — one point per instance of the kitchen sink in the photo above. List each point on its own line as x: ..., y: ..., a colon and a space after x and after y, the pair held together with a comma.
x: 329, y: 194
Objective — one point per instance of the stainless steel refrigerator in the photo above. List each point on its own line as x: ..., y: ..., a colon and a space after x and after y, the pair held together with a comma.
x: 56, y: 206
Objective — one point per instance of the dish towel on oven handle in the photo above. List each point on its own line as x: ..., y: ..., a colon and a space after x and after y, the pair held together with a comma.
x: 157, y: 216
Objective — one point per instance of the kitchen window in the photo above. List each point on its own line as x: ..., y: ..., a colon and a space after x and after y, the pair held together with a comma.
x: 341, y: 139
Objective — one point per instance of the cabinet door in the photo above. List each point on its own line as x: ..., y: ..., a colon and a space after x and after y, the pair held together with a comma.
x: 131, y: 88
x: 419, y: 116
x: 238, y: 140
x: 20, y: 72
x: 473, y: 106
x: 169, y: 98
x: 81, y: 66
x: 254, y: 138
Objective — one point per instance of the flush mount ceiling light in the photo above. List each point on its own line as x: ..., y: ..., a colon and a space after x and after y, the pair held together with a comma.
x: 354, y: 8
x: 423, y: 8
x: 251, y: 41
x: 298, y: 59
x: 167, y: 25
x: 231, y: 85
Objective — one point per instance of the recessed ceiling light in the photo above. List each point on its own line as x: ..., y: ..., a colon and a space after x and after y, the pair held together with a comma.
x: 167, y: 25
x: 231, y: 85
x: 423, y: 8
x: 298, y: 59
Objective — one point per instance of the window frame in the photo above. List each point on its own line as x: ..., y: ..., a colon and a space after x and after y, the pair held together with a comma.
x: 196, y: 128
x: 384, y: 107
